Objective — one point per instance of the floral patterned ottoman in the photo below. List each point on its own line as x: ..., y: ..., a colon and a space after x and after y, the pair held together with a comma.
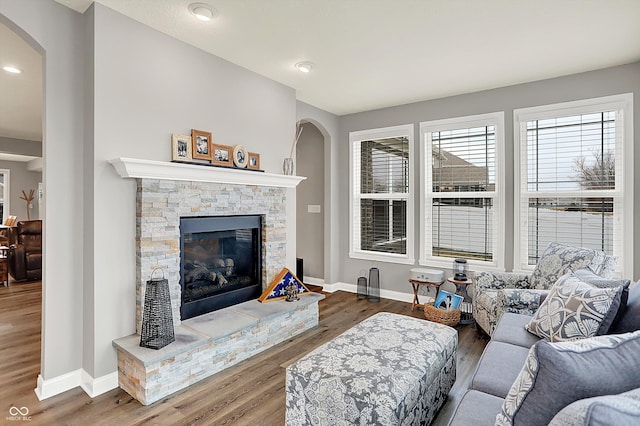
x: 388, y: 370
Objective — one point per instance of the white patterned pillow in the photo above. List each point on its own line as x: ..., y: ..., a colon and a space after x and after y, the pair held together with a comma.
x: 557, y: 259
x: 575, y: 310
x: 558, y: 374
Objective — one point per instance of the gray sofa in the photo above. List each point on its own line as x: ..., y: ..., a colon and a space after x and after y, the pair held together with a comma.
x: 570, y: 380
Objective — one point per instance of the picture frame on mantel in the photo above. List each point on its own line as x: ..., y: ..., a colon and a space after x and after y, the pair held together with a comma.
x: 201, y: 144
x: 240, y: 156
x: 222, y: 155
x: 181, y: 148
x: 254, y: 161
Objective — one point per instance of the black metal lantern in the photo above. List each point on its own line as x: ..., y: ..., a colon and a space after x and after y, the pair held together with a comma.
x: 460, y: 269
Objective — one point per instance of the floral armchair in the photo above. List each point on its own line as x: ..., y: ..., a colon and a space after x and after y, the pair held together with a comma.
x: 499, y: 292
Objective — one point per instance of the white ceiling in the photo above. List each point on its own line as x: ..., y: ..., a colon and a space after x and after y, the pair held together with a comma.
x: 369, y: 54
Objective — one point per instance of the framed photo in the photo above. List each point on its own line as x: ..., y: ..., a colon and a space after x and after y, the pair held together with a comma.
x: 240, y: 156
x: 254, y: 161
x: 181, y: 147
x: 447, y: 301
x: 201, y: 143
x: 222, y: 155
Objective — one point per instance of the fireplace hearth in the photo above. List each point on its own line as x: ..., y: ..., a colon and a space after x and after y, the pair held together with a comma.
x: 220, y: 262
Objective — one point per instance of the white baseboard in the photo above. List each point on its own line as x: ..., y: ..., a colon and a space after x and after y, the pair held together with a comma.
x: 93, y: 387
x: 353, y: 288
x: 54, y: 386
x: 313, y: 281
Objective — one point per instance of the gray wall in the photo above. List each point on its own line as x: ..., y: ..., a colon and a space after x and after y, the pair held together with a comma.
x: 56, y: 32
x: 617, y: 80
x: 146, y: 86
x: 20, y: 147
x: 310, y: 226
x: 21, y: 179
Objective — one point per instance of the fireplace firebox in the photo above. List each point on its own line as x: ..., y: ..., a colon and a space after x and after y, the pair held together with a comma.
x: 220, y: 262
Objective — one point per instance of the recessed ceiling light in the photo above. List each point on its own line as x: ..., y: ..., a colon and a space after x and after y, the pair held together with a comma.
x: 203, y: 11
x: 12, y: 70
x: 304, y: 67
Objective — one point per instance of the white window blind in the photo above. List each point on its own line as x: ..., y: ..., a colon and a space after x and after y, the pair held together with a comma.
x: 461, y: 202
x: 381, y: 197
x: 571, y: 179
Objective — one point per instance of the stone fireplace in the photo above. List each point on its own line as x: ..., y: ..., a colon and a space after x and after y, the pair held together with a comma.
x: 169, y: 198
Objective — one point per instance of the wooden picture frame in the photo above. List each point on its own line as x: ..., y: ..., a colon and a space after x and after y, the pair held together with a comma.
x: 254, y: 161
x: 240, y: 156
x: 221, y: 155
x: 201, y: 144
x: 181, y: 147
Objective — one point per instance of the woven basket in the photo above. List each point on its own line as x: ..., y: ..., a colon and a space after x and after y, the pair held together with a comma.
x: 450, y: 318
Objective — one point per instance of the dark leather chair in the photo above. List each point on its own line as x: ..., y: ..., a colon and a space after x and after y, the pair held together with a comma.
x: 25, y: 252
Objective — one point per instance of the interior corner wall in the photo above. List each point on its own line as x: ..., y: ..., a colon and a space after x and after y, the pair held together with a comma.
x: 328, y: 125
x: 21, y: 179
x: 310, y: 225
x: 147, y: 86
x: 604, y: 82
x: 56, y: 32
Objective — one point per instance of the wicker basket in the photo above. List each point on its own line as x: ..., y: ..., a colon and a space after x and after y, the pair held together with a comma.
x: 450, y: 318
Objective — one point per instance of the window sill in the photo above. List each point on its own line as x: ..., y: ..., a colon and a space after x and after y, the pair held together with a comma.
x: 379, y: 257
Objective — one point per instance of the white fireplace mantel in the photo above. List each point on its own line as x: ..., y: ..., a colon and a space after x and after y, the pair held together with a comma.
x: 150, y: 169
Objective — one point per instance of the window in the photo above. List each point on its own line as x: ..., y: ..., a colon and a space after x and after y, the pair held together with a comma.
x: 4, y: 194
x: 381, y: 196
x: 574, y: 184
x: 462, y: 202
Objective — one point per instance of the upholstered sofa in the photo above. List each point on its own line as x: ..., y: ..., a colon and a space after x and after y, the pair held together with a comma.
x: 523, y: 379
x: 497, y: 292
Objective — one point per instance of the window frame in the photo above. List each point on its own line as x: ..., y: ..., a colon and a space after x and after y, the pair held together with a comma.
x: 623, y: 193
x: 498, y: 195
x: 355, y: 252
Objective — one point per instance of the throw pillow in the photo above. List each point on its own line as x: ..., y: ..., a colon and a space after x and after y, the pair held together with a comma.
x: 620, y: 409
x: 590, y: 277
x: 630, y: 318
x: 558, y: 374
x: 575, y: 310
x: 557, y: 259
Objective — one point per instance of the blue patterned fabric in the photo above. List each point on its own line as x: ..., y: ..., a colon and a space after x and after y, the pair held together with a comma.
x: 388, y: 370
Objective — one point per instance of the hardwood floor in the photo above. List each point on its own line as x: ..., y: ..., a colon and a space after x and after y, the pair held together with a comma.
x: 250, y: 393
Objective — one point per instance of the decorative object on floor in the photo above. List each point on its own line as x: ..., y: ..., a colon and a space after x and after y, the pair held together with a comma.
x: 181, y: 148
x: 254, y: 161
x: 157, y: 320
x: 201, y: 144
x: 466, y: 290
x: 362, y: 287
x: 450, y: 318
x: 447, y: 301
x: 373, y: 289
x: 28, y: 199
x: 460, y: 269
x: 222, y: 155
x: 277, y: 290
x: 240, y: 156
x: 287, y: 167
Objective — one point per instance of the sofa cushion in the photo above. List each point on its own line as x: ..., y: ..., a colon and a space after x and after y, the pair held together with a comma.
x: 621, y: 409
x: 557, y: 374
x: 558, y: 258
x: 575, y: 310
x: 498, y: 367
x: 630, y: 317
x: 476, y: 408
x: 511, y: 329
x: 590, y: 277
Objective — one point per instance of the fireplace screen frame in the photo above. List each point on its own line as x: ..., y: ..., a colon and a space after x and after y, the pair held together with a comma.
x: 205, y: 224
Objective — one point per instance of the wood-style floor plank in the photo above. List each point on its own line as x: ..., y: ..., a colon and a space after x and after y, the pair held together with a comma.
x: 249, y: 393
